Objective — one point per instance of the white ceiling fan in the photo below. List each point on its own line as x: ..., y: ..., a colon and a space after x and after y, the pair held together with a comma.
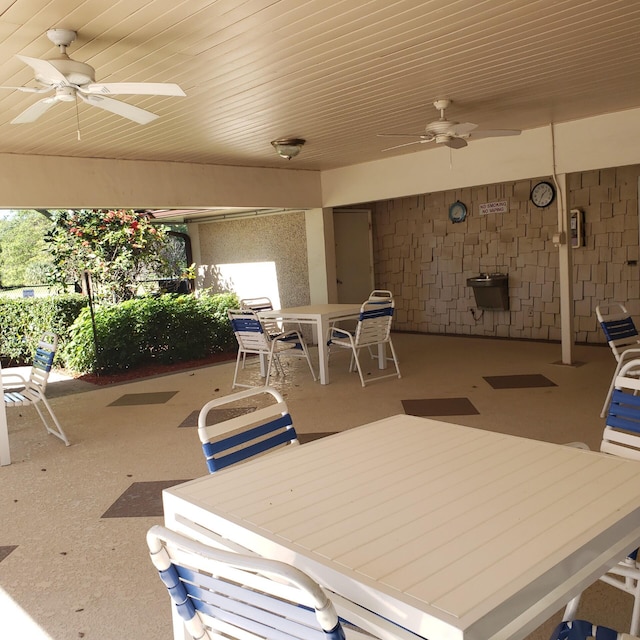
x: 70, y: 79
x: 448, y: 133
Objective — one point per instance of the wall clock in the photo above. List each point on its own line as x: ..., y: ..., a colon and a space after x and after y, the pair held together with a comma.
x: 542, y: 194
x: 457, y: 211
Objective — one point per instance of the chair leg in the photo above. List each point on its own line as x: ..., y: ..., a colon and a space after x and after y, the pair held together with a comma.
x: 395, y: 359
x: 357, y: 359
x: 241, y: 355
x: 58, y: 431
x: 308, y: 357
x: 571, y: 610
x: 272, y: 356
x: 605, y: 406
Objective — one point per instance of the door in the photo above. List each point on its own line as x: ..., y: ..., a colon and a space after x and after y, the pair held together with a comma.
x: 354, y: 254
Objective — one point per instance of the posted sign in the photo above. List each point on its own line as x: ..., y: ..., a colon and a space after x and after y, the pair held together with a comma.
x: 501, y: 206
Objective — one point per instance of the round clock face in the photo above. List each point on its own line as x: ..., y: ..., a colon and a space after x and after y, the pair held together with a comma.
x: 457, y: 212
x: 542, y: 194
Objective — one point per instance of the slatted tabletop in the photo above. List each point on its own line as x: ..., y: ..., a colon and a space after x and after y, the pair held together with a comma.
x: 450, y: 531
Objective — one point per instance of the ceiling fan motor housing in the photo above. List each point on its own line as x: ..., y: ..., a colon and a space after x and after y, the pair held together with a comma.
x: 75, y: 72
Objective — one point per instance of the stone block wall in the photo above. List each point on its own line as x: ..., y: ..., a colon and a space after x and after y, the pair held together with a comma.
x: 425, y: 259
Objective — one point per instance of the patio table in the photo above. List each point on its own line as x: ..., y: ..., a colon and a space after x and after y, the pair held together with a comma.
x: 321, y: 316
x: 452, y: 532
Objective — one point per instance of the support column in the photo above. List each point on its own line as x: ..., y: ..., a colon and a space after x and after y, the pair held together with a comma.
x: 562, y: 240
x: 321, y: 256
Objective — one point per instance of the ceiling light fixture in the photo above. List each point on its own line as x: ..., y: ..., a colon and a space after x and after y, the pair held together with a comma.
x: 288, y: 147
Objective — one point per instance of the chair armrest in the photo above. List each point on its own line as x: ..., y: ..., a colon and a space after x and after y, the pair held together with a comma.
x: 20, y: 381
x: 287, y: 335
x: 335, y: 331
x: 624, y: 352
x: 577, y: 445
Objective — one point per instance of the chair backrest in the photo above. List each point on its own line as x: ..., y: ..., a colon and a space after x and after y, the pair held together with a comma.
x: 618, y: 327
x: 249, y: 330
x: 380, y: 294
x: 43, y: 362
x: 374, y: 322
x: 225, y: 594
x: 621, y: 435
x: 258, y: 305
x: 248, y: 435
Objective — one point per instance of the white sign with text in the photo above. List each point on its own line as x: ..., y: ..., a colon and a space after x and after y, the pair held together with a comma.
x: 501, y: 206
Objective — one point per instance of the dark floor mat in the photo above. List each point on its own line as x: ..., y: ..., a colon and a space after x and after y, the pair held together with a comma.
x: 140, y: 499
x: 133, y: 399
x: 439, y: 407
x: 522, y: 381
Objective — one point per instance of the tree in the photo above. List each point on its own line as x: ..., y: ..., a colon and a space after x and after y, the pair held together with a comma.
x: 24, y: 259
x: 116, y: 247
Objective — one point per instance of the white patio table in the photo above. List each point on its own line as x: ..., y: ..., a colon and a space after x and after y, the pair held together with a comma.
x: 321, y: 316
x: 449, y: 531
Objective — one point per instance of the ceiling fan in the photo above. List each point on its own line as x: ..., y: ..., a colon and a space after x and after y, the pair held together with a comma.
x: 448, y: 133
x: 70, y: 79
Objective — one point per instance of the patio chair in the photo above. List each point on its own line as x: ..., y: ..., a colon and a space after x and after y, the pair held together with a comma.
x: 21, y: 392
x: 262, y: 304
x: 621, y: 437
x: 622, y: 336
x: 372, y: 330
x: 244, y: 436
x: 254, y: 339
x: 224, y: 594
x: 583, y: 630
x: 378, y: 295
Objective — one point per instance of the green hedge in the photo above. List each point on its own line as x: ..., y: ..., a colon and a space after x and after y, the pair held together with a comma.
x: 24, y: 320
x: 165, y: 329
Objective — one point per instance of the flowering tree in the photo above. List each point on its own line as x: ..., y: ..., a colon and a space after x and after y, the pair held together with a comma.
x: 116, y: 247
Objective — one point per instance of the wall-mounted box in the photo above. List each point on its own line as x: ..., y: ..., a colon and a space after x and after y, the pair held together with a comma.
x: 491, y: 291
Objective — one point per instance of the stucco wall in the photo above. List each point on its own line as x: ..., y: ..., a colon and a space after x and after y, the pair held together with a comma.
x: 275, y: 238
x: 426, y: 259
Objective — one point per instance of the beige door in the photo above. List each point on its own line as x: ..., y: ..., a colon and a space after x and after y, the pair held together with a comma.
x: 354, y: 254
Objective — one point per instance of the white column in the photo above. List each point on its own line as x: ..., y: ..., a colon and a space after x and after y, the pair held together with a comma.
x: 565, y: 264
x: 321, y: 256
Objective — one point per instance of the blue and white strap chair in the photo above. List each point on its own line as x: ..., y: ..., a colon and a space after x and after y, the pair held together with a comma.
x: 621, y: 335
x: 21, y: 392
x: 250, y: 434
x: 222, y: 594
x: 254, y: 339
x: 621, y: 437
x: 262, y: 304
x: 372, y: 330
x: 583, y: 630
x: 380, y: 295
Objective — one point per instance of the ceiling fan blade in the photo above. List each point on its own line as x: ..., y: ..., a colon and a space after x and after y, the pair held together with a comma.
x: 32, y: 113
x: 44, y: 69
x: 141, y: 116
x: 134, y: 88
x: 29, y: 89
x: 494, y: 133
x: 406, y: 144
x: 399, y: 135
x: 455, y: 143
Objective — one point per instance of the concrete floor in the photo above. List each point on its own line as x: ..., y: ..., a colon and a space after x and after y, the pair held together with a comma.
x: 73, y: 559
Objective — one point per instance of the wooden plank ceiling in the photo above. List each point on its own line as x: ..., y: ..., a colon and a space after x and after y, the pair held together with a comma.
x: 335, y: 72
